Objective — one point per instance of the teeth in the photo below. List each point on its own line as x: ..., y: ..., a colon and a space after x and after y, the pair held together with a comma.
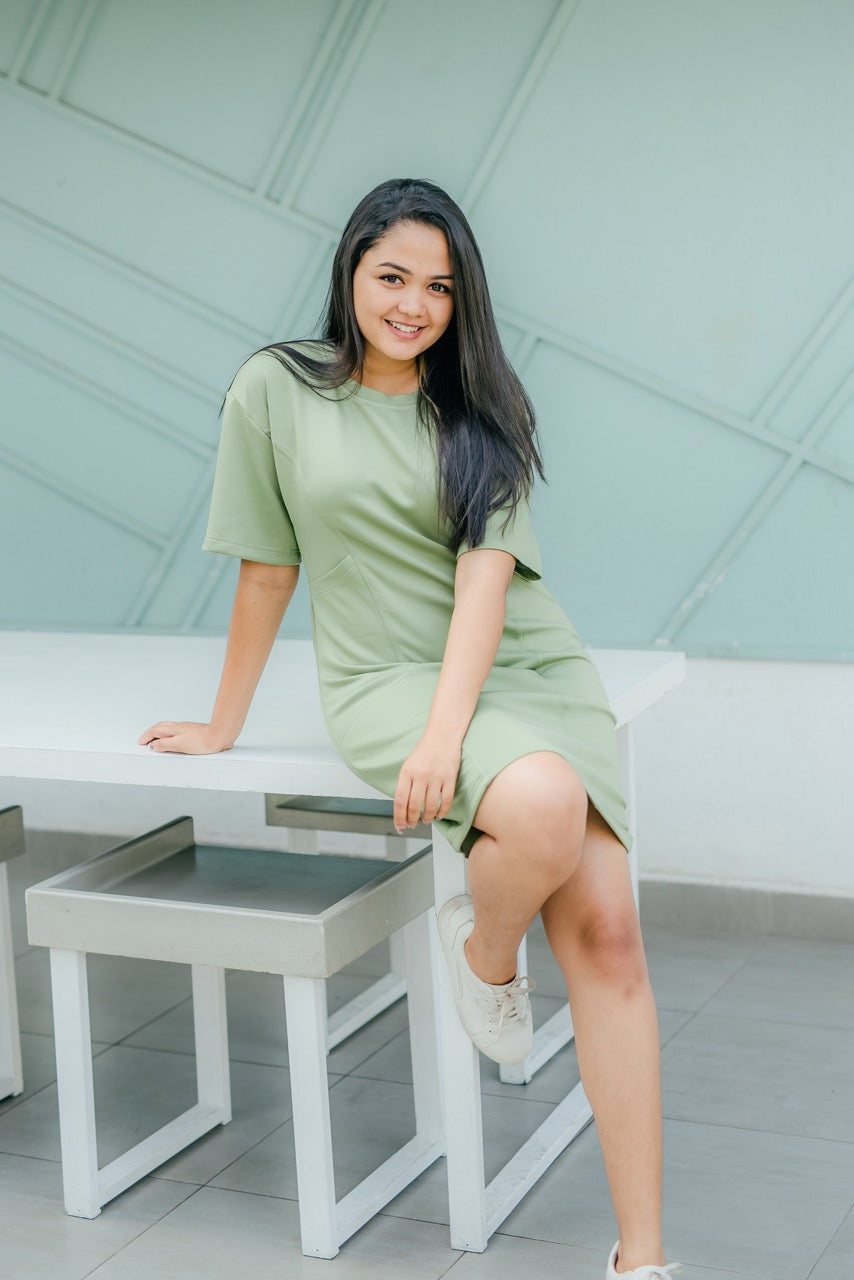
x: 405, y: 328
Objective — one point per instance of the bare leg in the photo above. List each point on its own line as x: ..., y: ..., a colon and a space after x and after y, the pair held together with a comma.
x: 507, y: 884
x: 545, y: 848
x: 594, y: 932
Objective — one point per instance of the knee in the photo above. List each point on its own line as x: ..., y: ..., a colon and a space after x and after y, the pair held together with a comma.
x: 557, y: 821
x: 610, y: 940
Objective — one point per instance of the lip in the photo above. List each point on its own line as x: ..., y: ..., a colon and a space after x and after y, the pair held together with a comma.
x: 399, y: 333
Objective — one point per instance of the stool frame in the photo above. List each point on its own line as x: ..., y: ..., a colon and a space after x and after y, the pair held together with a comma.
x: 107, y: 922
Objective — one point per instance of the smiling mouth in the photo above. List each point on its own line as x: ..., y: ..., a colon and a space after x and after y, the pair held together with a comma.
x: 407, y: 329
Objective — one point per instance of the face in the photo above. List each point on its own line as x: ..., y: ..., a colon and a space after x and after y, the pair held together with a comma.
x: 403, y: 296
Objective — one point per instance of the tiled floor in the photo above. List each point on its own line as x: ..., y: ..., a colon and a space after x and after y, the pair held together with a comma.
x: 758, y: 1041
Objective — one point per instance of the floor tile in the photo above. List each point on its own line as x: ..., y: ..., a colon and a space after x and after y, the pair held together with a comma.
x: 39, y: 1064
x: 837, y: 1261
x: 687, y: 969
x: 788, y: 981
x: 137, y: 1091
x: 775, y: 1076
x: 124, y: 994
x: 734, y: 1200
x: 256, y: 1023
x: 40, y: 1241
x: 226, y: 1235
x: 370, y: 1121
x: 514, y: 1258
x: 508, y: 1122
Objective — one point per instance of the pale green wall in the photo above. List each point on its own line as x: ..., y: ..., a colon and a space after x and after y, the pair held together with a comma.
x: 664, y: 193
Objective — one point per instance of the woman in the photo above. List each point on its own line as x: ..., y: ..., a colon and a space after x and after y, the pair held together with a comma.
x: 394, y: 458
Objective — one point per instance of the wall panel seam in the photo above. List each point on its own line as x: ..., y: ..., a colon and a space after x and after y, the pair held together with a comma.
x: 75, y: 323
x: 311, y: 81
x: 129, y: 273
x: 80, y: 497
x: 226, y: 186
x: 323, y: 119
x: 31, y: 34
x: 542, y: 55
x: 125, y: 408
x: 155, y: 579
x: 73, y: 49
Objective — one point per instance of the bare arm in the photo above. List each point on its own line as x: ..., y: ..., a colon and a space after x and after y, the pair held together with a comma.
x: 428, y: 776
x: 263, y: 594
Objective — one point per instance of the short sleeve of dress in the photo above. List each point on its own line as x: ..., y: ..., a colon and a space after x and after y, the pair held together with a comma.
x: 248, y: 516
x: 518, y: 538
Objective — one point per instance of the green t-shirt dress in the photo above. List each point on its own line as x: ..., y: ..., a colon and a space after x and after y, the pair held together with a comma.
x: 345, y: 483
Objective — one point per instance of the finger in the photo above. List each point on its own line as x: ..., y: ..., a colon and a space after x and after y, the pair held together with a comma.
x: 448, y: 791
x: 416, y: 804
x: 432, y: 803
x: 156, y: 730
x: 167, y: 743
x: 401, y: 800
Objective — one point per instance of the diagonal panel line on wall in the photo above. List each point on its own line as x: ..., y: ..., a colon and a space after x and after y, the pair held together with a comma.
x: 72, y: 52
x: 207, y: 586
x: 28, y: 40
x: 542, y: 55
x: 716, y: 571
x: 189, y: 168
x: 80, y: 497
x: 311, y: 283
x: 822, y: 333
x: 155, y: 579
x: 126, y: 408
x: 131, y: 274
x: 649, y: 381
x: 102, y: 337
x: 323, y: 119
x: 310, y: 84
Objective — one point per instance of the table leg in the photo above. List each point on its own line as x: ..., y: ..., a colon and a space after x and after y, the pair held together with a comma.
x: 74, y: 1083
x: 210, y: 1023
x: 421, y: 948
x: 460, y: 1083
x: 305, y: 1009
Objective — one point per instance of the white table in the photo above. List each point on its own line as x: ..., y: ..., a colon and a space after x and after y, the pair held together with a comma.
x: 73, y: 706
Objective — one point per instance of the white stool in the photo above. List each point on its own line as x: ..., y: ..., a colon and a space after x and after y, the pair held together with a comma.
x: 11, y: 846
x: 305, y: 816
x: 163, y: 897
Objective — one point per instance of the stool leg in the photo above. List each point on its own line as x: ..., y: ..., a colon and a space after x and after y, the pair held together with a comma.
x: 421, y: 953
x: 305, y: 1011
x: 210, y: 1023
x: 11, y: 1073
x: 74, y: 1083
x: 460, y: 1083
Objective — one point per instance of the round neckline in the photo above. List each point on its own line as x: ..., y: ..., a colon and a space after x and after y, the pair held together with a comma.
x: 402, y: 399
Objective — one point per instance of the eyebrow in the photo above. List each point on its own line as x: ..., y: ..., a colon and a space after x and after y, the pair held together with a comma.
x: 406, y: 272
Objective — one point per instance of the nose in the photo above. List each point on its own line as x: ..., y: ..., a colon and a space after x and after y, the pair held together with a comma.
x: 411, y: 302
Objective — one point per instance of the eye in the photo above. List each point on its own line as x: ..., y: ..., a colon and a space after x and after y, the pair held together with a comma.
x: 438, y: 287
x: 391, y: 278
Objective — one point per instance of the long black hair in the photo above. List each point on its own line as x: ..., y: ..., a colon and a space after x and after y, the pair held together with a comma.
x: 468, y: 395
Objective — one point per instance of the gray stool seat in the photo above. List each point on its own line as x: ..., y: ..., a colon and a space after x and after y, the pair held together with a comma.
x: 164, y: 897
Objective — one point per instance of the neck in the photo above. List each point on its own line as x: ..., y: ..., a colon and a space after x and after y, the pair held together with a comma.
x: 395, y: 377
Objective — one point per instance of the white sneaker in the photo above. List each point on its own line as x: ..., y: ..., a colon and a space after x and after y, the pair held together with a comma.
x: 497, y: 1019
x: 639, y: 1273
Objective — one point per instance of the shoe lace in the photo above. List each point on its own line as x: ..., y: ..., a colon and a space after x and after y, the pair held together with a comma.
x: 663, y: 1273
x: 512, y: 1006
